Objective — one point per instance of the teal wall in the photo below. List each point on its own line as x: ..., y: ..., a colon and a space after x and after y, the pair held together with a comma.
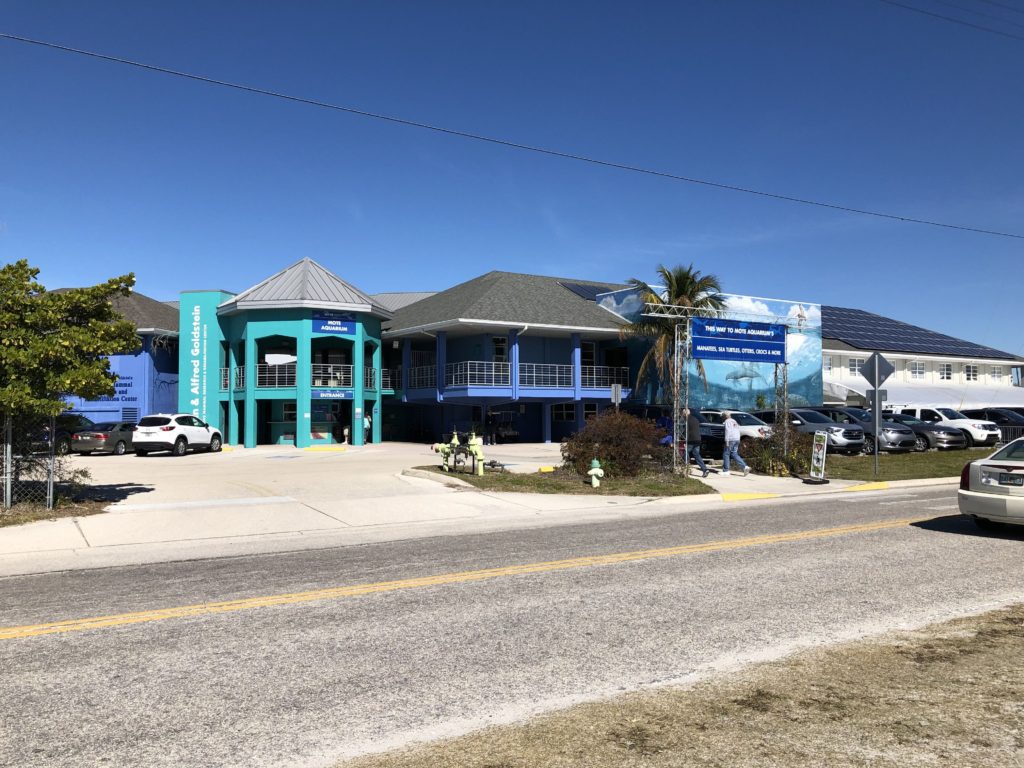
x: 198, y: 355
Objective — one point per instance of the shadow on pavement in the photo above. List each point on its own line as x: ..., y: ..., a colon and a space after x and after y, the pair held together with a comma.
x: 114, y: 491
x: 964, y: 526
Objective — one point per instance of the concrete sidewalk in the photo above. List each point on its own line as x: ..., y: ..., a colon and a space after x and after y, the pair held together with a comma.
x: 281, y: 499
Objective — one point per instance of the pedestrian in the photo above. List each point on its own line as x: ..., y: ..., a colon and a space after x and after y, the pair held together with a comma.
x: 732, y: 445
x: 367, y: 428
x: 693, y: 442
x: 491, y: 428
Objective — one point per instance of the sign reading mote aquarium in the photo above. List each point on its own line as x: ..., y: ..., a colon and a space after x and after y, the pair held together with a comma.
x: 334, y: 322
x: 332, y: 394
x: 741, y: 340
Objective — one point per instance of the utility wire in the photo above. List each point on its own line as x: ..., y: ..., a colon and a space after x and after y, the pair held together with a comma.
x: 1003, y: 5
x: 504, y: 142
x: 953, y: 19
x: 979, y: 13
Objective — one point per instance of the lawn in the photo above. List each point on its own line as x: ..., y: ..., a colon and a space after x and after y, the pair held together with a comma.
x: 560, y: 481
x: 902, y: 466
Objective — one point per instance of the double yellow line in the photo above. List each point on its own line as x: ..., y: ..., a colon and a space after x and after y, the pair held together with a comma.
x: 462, y: 577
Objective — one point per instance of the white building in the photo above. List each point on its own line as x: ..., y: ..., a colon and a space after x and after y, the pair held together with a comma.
x: 931, y: 368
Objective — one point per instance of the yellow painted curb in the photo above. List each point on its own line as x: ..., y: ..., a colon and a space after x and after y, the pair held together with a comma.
x: 749, y: 496
x: 546, y: 469
x: 868, y: 487
x: 336, y: 448
x: 227, y: 447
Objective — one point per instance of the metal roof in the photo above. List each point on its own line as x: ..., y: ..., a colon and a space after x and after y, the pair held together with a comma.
x: 867, y: 331
x: 397, y: 300
x: 304, y: 284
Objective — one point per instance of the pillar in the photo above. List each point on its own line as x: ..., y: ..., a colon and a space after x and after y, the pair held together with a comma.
x: 546, y: 418
x: 378, y: 358
x: 577, y: 369
x: 250, y: 392
x: 513, y: 362
x: 304, y: 384
x: 232, y: 425
x: 441, y: 356
x: 406, y: 365
x: 358, y: 390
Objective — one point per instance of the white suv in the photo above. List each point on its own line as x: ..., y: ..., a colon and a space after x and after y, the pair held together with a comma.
x: 977, y: 431
x: 174, y: 432
x: 751, y: 427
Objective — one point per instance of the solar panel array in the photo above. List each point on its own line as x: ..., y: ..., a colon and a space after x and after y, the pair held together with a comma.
x: 586, y: 292
x: 864, y: 330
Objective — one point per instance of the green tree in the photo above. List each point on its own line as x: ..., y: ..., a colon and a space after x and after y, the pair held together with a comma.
x: 682, y: 287
x: 54, y: 344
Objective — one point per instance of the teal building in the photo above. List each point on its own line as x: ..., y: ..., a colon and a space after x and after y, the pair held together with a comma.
x: 293, y: 360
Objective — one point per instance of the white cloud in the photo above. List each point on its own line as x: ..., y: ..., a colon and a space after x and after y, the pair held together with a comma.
x: 811, y: 313
x: 747, y: 306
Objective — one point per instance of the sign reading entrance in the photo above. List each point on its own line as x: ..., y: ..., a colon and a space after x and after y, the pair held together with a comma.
x: 717, y: 339
x: 331, y: 394
x: 334, y: 322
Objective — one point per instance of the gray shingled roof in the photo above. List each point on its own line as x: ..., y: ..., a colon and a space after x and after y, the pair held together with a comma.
x: 397, y: 300
x: 147, y: 314
x: 509, y: 297
x: 304, y: 284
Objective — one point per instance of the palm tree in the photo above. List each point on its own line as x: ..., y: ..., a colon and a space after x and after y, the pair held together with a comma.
x: 683, y: 287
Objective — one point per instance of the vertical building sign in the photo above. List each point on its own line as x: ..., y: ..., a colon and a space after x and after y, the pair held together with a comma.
x: 198, y: 355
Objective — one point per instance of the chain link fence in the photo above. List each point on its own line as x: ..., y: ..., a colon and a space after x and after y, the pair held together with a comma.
x: 31, y: 461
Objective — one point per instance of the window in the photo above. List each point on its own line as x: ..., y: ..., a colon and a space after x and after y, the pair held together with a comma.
x: 916, y: 370
x: 287, y: 411
x: 946, y: 371
x: 588, y: 353
x: 500, y: 349
x: 826, y: 364
x: 856, y: 363
x: 563, y: 412
x: 971, y: 372
x: 997, y: 374
x: 589, y: 410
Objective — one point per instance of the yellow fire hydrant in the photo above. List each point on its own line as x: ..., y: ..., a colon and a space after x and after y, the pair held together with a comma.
x: 596, y: 473
x: 476, y: 450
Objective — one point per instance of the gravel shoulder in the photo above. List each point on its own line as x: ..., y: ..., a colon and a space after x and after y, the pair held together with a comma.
x: 949, y: 694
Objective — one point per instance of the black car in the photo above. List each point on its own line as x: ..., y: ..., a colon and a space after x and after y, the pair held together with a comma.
x: 928, y: 435
x: 64, y: 426
x: 1003, y: 417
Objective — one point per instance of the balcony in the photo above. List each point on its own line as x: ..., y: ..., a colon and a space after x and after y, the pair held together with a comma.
x: 545, y: 375
x: 601, y: 376
x: 282, y: 375
x: 477, y: 373
x: 391, y: 378
x: 369, y: 377
x: 332, y: 375
x: 225, y: 377
x: 423, y: 377
x: 239, y: 378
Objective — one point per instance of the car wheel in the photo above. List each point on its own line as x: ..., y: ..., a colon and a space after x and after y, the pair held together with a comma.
x: 215, y: 444
x: 63, y: 445
x: 969, y: 438
x: 869, y: 446
x: 180, y: 446
x: 120, y: 448
x: 921, y: 444
x: 140, y: 453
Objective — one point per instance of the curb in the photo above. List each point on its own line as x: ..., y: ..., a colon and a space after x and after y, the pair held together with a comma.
x: 447, y: 480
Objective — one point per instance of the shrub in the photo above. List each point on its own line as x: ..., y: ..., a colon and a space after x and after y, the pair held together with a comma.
x: 622, y: 443
x: 770, y: 457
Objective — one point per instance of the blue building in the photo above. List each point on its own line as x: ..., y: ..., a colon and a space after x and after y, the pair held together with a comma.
x: 148, y: 377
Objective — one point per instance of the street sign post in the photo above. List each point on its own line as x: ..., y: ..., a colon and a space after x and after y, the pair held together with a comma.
x: 876, y: 369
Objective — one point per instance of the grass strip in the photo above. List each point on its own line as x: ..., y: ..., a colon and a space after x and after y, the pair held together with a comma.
x: 561, y: 481
x: 903, y: 466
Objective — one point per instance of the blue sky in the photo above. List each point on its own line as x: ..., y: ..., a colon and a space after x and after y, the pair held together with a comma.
x: 108, y: 169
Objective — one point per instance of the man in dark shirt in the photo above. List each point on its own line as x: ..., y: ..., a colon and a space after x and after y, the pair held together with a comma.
x: 693, y: 442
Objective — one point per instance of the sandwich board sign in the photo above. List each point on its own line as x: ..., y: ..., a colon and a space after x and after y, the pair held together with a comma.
x: 818, y: 455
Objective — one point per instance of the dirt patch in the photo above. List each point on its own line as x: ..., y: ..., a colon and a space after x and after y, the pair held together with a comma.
x: 20, y: 514
x: 949, y: 695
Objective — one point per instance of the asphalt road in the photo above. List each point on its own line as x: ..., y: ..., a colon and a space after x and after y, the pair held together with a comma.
x: 312, y: 678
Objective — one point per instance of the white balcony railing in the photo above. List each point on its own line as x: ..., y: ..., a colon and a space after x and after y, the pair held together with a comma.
x: 545, y: 375
x: 282, y: 375
x: 332, y: 375
x: 239, y: 378
x: 477, y: 373
x: 225, y: 376
x: 423, y: 377
x: 391, y: 378
x: 370, y: 377
x: 598, y: 376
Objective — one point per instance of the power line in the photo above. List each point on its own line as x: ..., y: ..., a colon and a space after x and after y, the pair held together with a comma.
x: 1003, y: 5
x: 953, y: 19
x: 505, y: 142
x: 979, y: 13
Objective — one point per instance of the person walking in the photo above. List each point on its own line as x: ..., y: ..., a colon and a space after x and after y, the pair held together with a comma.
x: 367, y: 428
x: 732, y: 445
x: 693, y: 442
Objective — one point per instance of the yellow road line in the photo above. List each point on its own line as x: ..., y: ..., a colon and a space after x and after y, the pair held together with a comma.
x: 882, y: 486
x: 748, y: 496
x: 356, y: 590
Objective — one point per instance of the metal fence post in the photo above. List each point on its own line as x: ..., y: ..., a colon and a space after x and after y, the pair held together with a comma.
x: 51, y: 464
x: 8, y: 460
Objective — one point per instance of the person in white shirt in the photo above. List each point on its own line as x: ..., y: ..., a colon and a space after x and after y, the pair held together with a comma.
x: 732, y: 445
x: 367, y: 428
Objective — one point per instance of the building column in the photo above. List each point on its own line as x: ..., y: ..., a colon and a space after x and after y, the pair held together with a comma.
x: 546, y: 426
x: 377, y: 361
x: 406, y: 365
x: 441, y: 358
x: 232, y: 425
x: 581, y: 419
x: 577, y: 369
x: 358, y: 390
x: 250, y: 392
x: 304, y: 385
x: 513, y: 362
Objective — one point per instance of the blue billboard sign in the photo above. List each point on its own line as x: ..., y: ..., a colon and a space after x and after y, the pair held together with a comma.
x: 334, y: 322
x: 737, y: 340
x: 332, y: 394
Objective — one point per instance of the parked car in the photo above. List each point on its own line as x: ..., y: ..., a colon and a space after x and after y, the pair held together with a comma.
x: 892, y: 438
x: 842, y: 438
x: 175, y: 432
x: 64, y: 426
x: 751, y: 427
x: 977, y: 431
x: 1018, y: 409
x: 1001, y: 417
x: 104, y: 437
x: 992, y: 489
x: 712, y: 436
x: 928, y: 435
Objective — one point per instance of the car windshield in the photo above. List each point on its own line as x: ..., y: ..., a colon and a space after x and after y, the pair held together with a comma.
x: 1016, y: 418
x: 714, y: 418
x: 154, y: 421
x: 1013, y: 452
x: 859, y: 414
x: 908, y: 420
x: 949, y: 413
x: 747, y: 420
x: 813, y: 417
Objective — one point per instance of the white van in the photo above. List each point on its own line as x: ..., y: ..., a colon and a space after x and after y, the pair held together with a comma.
x: 977, y: 431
